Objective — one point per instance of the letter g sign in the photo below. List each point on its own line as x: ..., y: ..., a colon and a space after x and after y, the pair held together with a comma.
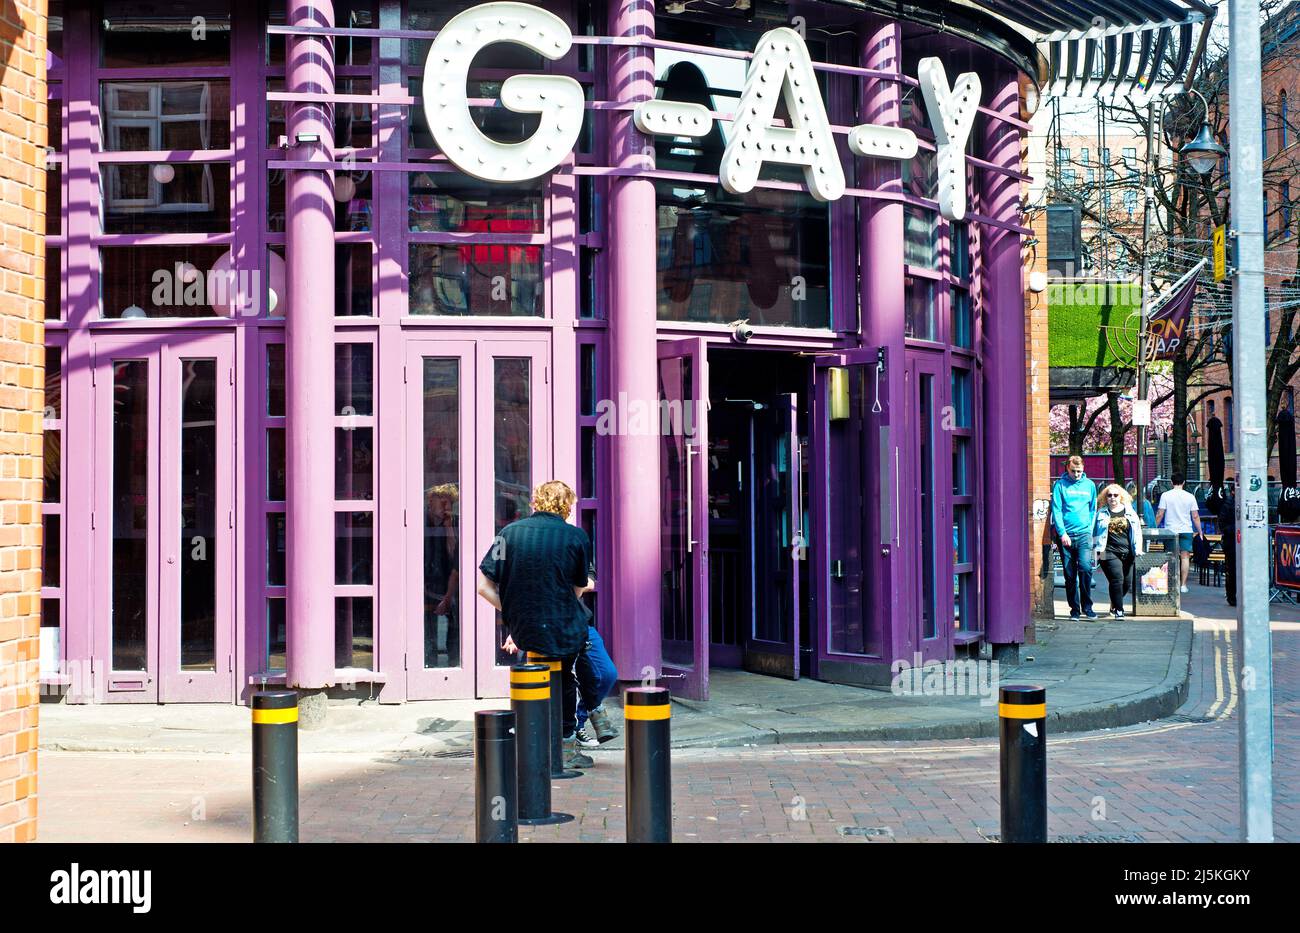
x: 557, y: 98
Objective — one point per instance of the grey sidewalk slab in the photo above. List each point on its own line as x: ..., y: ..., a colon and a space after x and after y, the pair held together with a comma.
x: 1098, y: 675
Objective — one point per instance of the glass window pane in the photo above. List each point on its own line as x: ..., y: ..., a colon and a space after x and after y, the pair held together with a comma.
x: 53, y: 383
x: 919, y: 310
x: 354, y: 633
x: 588, y: 487
x: 963, y: 322
x: 512, y: 444
x: 353, y: 463
x: 352, y: 279
x: 51, y: 548
x: 165, y: 197
x: 353, y: 201
x: 198, y: 487
x: 478, y: 279
x: 961, y: 398
x: 764, y: 256
x: 275, y: 465
x: 158, y: 115
x: 440, y: 452
x: 961, y: 466
x: 959, y: 238
x: 53, y: 486
x: 434, y: 14
x: 53, y: 195
x: 446, y: 202
x: 277, y: 631
x: 961, y: 534
x: 50, y: 613
x: 587, y: 366
x: 275, y: 548
x: 353, y: 547
x: 53, y: 283
x: 161, y: 281
x: 353, y: 122
x: 920, y: 237
x: 275, y: 379
x: 132, y: 443
x: 348, y: 50
x: 353, y: 378
x: 54, y: 33
x: 140, y: 33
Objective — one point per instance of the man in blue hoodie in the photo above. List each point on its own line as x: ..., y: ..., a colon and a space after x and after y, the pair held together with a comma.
x: 1074, y: 509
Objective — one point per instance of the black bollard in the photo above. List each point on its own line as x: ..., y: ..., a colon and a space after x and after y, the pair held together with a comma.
x: 496, y: 782
x: 275, y: 766
x: 648, y: 765
x: 558, y: 771
x: 530, y: 693
x: 1022, y: 712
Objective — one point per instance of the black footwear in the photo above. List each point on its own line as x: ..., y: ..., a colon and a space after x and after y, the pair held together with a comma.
x: 1117, y: 613
x: 585, y: 738
x: 1090, y: 614
x: 1074, y: 614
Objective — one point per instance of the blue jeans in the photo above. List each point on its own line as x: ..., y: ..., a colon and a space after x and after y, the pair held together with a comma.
x: 1077, y: 559
x: 596, y: 674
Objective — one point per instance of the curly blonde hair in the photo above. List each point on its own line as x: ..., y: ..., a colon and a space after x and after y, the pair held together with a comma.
x: 1114, y: 487
x: 554, y: 496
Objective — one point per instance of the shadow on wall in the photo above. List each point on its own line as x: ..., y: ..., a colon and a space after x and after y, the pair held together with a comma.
x: 11, y: 27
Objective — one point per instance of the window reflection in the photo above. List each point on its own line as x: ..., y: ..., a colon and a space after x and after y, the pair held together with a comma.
x: 444, y: 202
x: 140, y: 33
x: 166, y: 198
x: 153, y: 115
x: 440, y: 453
x: 513, y: 449
x: 130, y: 519
x: 491, y: 280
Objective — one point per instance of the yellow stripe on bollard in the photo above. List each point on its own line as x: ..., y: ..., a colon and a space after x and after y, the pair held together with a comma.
x: 658, y: 711
x: 530, y: 677
x: 271, y: 717
x: 1022, y: 711
x: 530, y: 693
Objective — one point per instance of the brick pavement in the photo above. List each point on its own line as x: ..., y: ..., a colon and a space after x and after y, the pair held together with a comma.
x: 1174, y: 780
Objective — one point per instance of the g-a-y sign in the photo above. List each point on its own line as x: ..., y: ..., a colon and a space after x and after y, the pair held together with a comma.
x: 780, y: 69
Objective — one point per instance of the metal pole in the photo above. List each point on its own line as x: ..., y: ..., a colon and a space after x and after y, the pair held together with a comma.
x: 1022, y: 763
x: 1148, y: 205
x: 496, y: 785
x: 558, y: 771
x: 1248, y: 348
x: 530, y: 699
x: 648, y: 793
x: 275, y: 766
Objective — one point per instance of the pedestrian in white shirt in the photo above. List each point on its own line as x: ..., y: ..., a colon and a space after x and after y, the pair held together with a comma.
x: 1177, y: 512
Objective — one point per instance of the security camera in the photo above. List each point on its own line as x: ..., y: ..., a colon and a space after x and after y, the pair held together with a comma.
x: 741, y: 331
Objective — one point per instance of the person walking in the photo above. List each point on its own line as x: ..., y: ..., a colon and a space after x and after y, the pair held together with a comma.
x: 1118, y: 534
x: 535, y: 572
x: 1178, y: 513
x: 1074, y: 512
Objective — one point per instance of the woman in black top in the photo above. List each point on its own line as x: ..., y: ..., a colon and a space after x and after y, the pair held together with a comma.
x: 1118, y: 537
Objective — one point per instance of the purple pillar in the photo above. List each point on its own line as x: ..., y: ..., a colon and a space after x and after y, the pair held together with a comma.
x: 309, y: 339
x: 634, y: 458
x: 882, y: 301
x: 1005, y: 452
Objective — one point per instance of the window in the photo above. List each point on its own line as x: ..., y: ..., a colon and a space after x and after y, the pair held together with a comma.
x: 1130, y: 157
x: 1083, y: 155
x: 1227, y: 417
x: 1130, y: 202
x: 1286, y: 208
x: 1068, y: 178
x: 1091, y: 176
x: 1283, y: 136
x: 1062, y: 155
x: 1105, y: 155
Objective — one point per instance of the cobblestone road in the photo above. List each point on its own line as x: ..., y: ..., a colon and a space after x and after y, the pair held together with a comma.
x: 1175, y: 780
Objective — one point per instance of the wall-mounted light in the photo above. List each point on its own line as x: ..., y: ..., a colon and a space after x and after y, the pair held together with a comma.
x: 305, y: 138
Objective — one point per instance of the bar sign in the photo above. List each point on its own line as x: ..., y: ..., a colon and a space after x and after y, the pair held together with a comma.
x: 1220, y: 254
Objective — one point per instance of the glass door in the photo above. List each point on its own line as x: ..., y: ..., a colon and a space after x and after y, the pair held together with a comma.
x: 931, y: 558
x: 684, y: 496
x: 780, y: 544
x: 476, y: 423
x: 163, y: 517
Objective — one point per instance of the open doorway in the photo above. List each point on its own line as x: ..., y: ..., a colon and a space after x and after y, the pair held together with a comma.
x: 760, y: 586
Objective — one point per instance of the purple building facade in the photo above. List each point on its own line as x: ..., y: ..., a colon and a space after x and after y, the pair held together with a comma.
x: 310, y: 347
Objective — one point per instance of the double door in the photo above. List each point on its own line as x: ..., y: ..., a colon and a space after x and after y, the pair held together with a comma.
x: 162, y: 519
x: 477, y: 442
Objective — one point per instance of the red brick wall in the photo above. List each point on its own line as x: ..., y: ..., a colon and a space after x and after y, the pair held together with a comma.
x: 1036, y: 392
x: 22, y: 211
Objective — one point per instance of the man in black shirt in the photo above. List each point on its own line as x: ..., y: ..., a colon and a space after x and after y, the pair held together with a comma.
x: 534, y: 572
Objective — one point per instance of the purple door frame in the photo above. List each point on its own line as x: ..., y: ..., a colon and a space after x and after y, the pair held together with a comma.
x: 162, y: 680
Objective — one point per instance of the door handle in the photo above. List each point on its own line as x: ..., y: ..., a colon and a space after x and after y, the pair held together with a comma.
x: 691, y: 451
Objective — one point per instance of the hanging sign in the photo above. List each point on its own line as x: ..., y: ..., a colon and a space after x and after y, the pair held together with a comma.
x: 1141, y: 413
x: 1286, y: 557
x: 780, y: 70
x: 1220, y: 254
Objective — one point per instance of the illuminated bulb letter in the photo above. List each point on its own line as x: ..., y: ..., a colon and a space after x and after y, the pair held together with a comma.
x: 558, y: 99
x: 952, y: 114
x: 781, y: 66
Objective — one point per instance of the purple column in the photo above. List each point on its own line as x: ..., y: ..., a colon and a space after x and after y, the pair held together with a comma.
x: 880, y: 236
x: 1005, y: 430
x: 634, y: 459
x: 309, y: 339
